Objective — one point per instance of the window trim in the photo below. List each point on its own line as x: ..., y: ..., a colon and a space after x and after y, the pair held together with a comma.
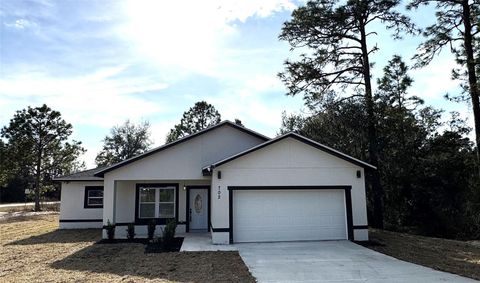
x: 157, y: 202
x: 158, y: 221
x: 86, y: 197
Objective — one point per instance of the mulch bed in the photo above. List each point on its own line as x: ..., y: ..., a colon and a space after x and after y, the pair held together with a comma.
x: 151, y: 246
x: 122, y: 241
x: 462, y: 258
x: 158, y: 247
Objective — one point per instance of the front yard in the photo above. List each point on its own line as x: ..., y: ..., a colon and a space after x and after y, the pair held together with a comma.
x: 462, y: 258
x: 33, y: 250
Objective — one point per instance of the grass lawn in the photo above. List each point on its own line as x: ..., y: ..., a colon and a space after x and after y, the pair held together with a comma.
x: 33, y: 250
x: 457, y: 257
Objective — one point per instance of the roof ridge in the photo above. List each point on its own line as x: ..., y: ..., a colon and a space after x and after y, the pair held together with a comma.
x: 311, y: 142
x: 183, y: 139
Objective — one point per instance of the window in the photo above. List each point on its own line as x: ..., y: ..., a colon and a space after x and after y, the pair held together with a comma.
x: 156, y: 201
x: 93, y: 197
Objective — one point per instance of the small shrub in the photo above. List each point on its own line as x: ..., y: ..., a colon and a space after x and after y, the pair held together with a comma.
x: 151, y: 229
x: 110, y: 230
x: 130, y: 231
x: 168, y: 232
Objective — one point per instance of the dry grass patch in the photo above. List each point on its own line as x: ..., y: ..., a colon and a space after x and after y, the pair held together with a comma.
x: 33, y: 250
x: 462, y: 258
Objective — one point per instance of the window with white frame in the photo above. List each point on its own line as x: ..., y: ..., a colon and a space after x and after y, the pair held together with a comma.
x: 93, y: 197
x: 156, y: 202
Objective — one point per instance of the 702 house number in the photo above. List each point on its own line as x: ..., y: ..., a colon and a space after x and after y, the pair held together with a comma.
x: 219, y: 193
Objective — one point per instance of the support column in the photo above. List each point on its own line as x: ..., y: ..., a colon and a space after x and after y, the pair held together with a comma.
x: 109, y: 200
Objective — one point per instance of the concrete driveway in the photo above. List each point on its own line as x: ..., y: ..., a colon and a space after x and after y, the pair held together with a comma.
x: 332, y: 261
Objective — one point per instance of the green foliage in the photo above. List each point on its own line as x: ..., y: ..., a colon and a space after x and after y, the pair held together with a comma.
x: 202, y: 115
x: 392, y: 87
x: 168, y: 233
x: 427, y: 167
x: 38, y: 149
x: 125, y: 141
x: 333, y: 36
x: 152, y: 224
x: 110, y: 228
x: 457, y: 28
x: 131, y: 231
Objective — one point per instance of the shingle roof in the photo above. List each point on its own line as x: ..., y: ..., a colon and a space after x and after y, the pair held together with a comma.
x: 87, y: 175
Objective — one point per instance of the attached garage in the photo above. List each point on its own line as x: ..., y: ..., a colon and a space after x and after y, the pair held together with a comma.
x: 276, y: 214
x: 288, y: 189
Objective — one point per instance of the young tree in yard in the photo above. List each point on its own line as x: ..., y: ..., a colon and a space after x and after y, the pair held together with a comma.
x: 202, y: 115
x: 336, y: 35
x: 125, y: 141
x: 457, y: 28
x: 38, y: 138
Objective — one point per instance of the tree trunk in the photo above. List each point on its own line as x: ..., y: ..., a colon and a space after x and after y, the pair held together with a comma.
x: 37, y: 180
x: 472, y: 77
x: 377, y: 190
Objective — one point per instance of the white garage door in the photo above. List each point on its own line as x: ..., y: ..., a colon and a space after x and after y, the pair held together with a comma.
x: 293, y: 215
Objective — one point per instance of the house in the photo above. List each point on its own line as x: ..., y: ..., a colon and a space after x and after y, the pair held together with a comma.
x: 232, y: 182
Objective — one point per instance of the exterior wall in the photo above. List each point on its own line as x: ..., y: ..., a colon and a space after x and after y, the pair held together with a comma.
x: 288, y: 162
x: 181, y: 164
x: 125, y: 206
x: 185, y: 161
x: 72, y: 207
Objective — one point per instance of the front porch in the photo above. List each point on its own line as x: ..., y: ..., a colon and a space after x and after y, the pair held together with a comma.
x: 140, y: 202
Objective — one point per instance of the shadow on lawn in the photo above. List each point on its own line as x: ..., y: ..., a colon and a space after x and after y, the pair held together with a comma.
x: 62, y: 236
x: 130, y: 260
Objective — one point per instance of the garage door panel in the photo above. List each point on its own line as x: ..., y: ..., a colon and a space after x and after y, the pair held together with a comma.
x: 279, y: 215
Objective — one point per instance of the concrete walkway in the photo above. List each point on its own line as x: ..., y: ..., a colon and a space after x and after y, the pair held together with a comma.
x: 197, y: 242
x: 333, y: 261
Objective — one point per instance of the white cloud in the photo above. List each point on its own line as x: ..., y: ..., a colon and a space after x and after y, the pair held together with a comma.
x: 191, y: 35
x: 20, y: 24
x: 258, y: 102
x: 97, y: 99
x: 434, y: 80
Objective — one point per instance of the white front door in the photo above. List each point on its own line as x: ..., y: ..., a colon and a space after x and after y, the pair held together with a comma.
x: 198, y: 209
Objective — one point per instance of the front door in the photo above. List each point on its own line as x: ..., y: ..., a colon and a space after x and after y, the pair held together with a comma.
x: 198, y: 212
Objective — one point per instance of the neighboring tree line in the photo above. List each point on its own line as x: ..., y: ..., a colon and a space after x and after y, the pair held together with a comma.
x: 35, y: 147
x: 428, y: 170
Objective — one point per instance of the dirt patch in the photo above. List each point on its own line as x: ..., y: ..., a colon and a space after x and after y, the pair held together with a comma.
x: 33, y: 250
x: 462, y: 258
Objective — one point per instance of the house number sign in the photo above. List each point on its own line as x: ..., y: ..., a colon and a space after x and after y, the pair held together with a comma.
x: 219, y: 193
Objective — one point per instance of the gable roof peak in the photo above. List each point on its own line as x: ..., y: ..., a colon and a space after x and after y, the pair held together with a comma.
x: 300, y: 138
x: 101, y: 173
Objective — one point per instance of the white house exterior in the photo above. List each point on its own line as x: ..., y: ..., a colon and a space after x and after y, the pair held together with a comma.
x: 238, y: 185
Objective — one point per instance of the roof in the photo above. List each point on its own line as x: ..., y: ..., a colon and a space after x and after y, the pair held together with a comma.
x: 102, y: 172
x: 207, y: 170
x: 87, y: 175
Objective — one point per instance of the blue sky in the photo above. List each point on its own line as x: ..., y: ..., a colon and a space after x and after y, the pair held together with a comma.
x: 102, y: 62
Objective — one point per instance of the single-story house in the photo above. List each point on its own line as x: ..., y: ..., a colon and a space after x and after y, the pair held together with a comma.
x: 236, y: 184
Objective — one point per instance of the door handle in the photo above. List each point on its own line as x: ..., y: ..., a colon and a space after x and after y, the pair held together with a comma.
x: 190, y: 217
